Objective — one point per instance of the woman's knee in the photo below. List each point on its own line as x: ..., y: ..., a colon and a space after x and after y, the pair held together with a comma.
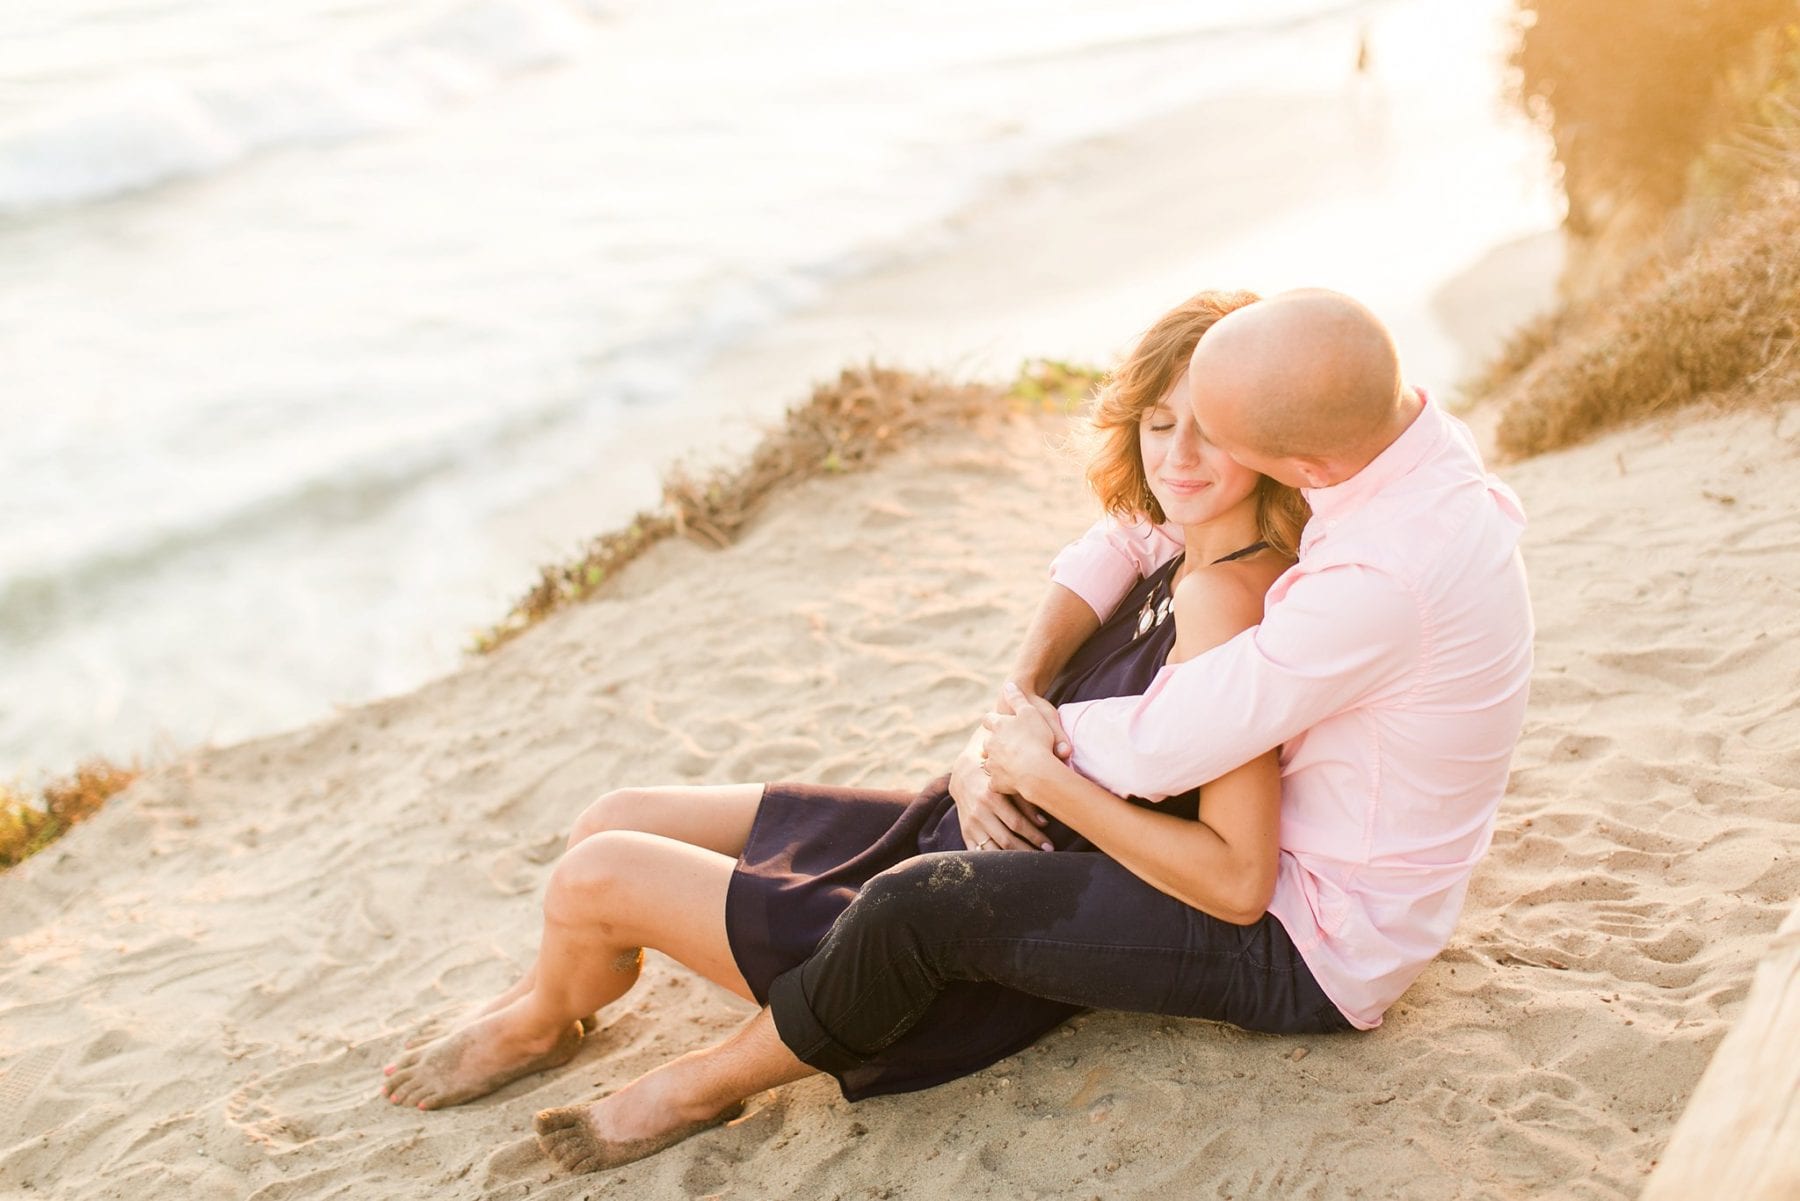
x: 619, y: 809
x: 585, y: 886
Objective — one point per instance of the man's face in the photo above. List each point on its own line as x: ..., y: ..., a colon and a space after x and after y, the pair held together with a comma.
x: 1217, y: 410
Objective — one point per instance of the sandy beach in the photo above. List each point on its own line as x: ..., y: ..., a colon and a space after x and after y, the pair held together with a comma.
x: 202, y: 983
x: 199, y: 986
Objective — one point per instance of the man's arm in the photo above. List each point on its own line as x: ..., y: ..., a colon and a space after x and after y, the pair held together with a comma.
x: 1336, y: 638
x: 1103, y: 564
x: 1062, y: 623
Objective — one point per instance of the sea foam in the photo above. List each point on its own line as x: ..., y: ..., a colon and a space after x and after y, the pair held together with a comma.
x: 155, y: 127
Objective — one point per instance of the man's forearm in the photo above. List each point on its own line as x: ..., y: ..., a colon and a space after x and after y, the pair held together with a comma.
x: 1062, y: 623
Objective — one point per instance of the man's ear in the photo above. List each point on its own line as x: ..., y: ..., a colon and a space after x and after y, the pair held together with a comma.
x: 1316, y: 472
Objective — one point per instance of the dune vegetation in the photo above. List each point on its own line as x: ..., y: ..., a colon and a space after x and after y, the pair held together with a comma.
x: 31, y: 821
x: 1676, y: 126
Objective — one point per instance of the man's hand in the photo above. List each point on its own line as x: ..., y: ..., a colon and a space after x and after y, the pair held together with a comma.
x: 990, y: 819
x: 1014, y: 699
x: 1023, y: 738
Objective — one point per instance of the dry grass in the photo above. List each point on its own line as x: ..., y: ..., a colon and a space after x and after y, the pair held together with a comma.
x: 1720, y: 319
x: 1677, y: 129
x: 845, y: 424
x: 27, y: 826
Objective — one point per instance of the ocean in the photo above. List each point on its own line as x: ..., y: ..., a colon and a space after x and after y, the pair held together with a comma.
x: 303, y: 305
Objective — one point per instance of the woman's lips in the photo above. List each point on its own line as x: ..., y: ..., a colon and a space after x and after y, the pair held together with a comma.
x: 1188, y: 487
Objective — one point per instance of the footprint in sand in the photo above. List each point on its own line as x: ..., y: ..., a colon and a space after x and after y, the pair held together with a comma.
x: 513, y: 1162
x: 19, y: 1082
x: 716, y: 1156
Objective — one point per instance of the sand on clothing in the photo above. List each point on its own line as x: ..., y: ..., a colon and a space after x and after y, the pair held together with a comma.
x: 200, y: 985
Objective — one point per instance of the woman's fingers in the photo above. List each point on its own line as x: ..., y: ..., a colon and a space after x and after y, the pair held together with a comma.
x: 1015, y: 831
x: 1032, y: 813
x: 995, y: 836
x: 1015, y: 822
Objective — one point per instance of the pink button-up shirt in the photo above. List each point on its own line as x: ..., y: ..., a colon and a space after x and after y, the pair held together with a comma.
x: 1391, y: 666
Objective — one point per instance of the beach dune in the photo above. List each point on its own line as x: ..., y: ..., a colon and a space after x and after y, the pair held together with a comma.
x: 200, y: 985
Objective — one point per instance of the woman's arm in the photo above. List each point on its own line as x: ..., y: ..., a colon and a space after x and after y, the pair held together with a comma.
x: 1223, y: 864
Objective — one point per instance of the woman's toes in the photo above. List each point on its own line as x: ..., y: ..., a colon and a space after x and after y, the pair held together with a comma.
x: 400, y: 1087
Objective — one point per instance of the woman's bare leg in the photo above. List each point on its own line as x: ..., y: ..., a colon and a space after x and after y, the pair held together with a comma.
x: 612, y: 894
x: 677, y: 1100
x: 714, y: 816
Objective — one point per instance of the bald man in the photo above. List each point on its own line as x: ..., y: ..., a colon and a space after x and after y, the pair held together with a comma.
x: 1390, y: 668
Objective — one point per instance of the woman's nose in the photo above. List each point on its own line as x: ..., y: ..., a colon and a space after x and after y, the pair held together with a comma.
x: 1185, y: 449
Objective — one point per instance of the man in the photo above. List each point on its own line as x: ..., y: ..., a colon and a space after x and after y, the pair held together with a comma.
x: 1391, y: 667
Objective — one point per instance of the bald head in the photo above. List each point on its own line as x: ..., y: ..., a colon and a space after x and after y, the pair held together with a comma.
x: 1310, y: 374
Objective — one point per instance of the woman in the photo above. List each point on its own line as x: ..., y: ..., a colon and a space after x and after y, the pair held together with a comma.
x: 743, y: 882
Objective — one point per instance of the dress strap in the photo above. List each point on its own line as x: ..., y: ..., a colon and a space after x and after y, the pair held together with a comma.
x: 1239, y: 554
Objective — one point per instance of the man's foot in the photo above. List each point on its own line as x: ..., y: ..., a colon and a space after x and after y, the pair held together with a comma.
x: 488, y: 1053
x: 638, y: 1121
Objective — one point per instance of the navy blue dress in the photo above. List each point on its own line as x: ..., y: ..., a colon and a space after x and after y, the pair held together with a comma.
x: 812, y: 848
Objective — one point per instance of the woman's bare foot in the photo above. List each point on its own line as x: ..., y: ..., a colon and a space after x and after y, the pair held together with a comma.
x: 488, y: 1053
x: 638, y: 1121
x: 432, y: 1029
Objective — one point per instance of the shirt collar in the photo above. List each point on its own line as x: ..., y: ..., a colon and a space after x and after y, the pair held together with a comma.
x: 1418, y: 440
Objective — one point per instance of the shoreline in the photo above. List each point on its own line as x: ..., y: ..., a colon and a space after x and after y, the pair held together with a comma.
x: 1072, y: 265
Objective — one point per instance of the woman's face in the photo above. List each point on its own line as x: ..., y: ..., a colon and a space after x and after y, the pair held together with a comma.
x: 1192, y: 479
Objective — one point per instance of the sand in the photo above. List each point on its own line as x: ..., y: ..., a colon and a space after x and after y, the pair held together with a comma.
x: 200, y: 985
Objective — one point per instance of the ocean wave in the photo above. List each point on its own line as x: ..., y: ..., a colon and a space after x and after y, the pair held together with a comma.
x: 350, y: 493
x: 155, y: 128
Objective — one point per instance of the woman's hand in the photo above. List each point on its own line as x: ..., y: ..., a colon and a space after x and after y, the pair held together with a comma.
x: 1022, y: 742
x: 991, y: 820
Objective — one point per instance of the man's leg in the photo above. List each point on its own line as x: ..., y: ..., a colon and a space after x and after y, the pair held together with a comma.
x: 1072, y: 927
x: 610, y: 896
x: 679, y: 1099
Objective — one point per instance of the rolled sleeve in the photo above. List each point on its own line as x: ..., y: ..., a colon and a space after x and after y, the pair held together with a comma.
x: 1333, y: 640
x: 1103, y: 564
